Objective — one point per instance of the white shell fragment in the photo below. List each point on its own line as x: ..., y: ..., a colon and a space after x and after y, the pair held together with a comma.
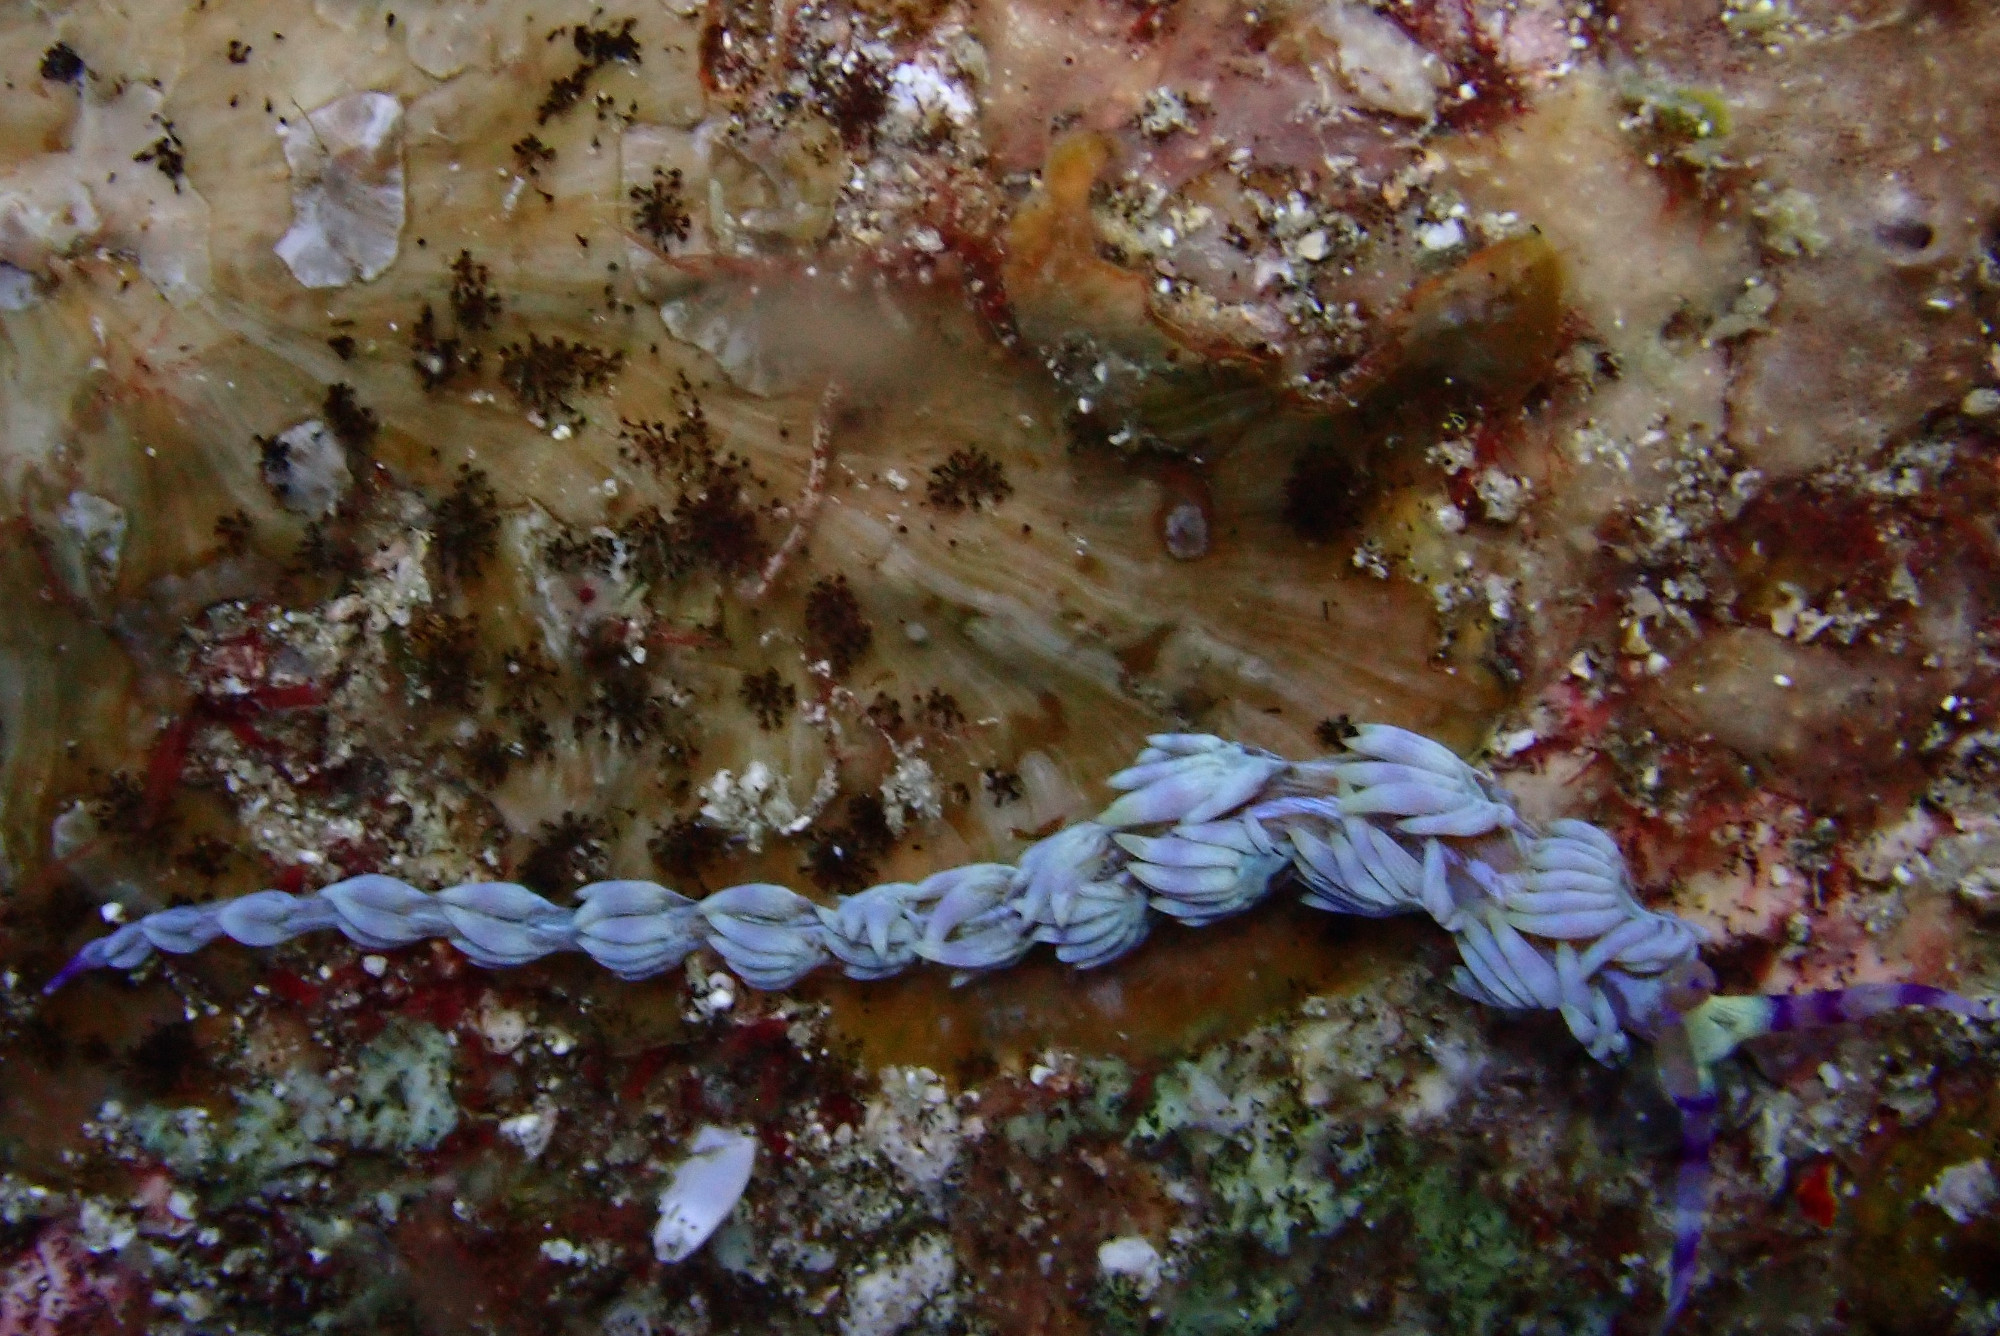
x: 1964, y: 1191
x: 91, y: 539
x: 531, y: 1131
x: 1385, y: 69
x: 17, y: 288
x: 347, y: 190
x: 703, y: 1192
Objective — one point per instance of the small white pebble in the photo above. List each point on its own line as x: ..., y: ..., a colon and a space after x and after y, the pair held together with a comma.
x: 1982, y: 402
x: 916, y: 633
x: 531, y: 1131
x: 1441, y: 236
x: 1132, y: 1258
x: 375, y: 966
x: 503, y: 1030
x: 1185, y: 532
x: 1964, y: 1191
x: 719, y: 997
x: 1782, y: 679
x: 111, y: 912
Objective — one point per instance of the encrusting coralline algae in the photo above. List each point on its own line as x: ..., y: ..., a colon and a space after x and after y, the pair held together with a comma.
x: 1393, y: 824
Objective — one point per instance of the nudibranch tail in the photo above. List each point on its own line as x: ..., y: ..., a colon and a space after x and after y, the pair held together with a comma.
x: 1690, y: 1201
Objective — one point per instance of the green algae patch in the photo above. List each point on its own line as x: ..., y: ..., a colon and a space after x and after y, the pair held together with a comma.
x: 1680, y: 113
x: 1226, y: 1291
x: 1276, y: 1167
x: 395, y: 1098
x: 1468, y: 1250
x: 1474, y: 1261
x: 1913, y: 1267
x: 1097, y: 1110
x: 1223, y: 1297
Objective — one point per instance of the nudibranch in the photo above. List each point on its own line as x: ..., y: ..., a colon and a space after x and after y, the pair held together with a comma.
x: 1203, y: 829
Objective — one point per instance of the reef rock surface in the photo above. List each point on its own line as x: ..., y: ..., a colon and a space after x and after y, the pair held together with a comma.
x: 817, y: 443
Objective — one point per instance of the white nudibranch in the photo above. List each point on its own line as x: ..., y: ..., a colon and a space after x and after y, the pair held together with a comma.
x: 1202, y: 830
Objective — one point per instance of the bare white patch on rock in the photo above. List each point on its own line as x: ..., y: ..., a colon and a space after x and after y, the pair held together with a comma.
x: 122, y: 184
x: 307, y: 470
x: 347, y: 190
x: 90, y: 540
x: 910, y: 795
x: 759, y: 803
x: 17, y: 288
x: 914, y: 1125
x: 889, y: 1298
x: 1385, y: 69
